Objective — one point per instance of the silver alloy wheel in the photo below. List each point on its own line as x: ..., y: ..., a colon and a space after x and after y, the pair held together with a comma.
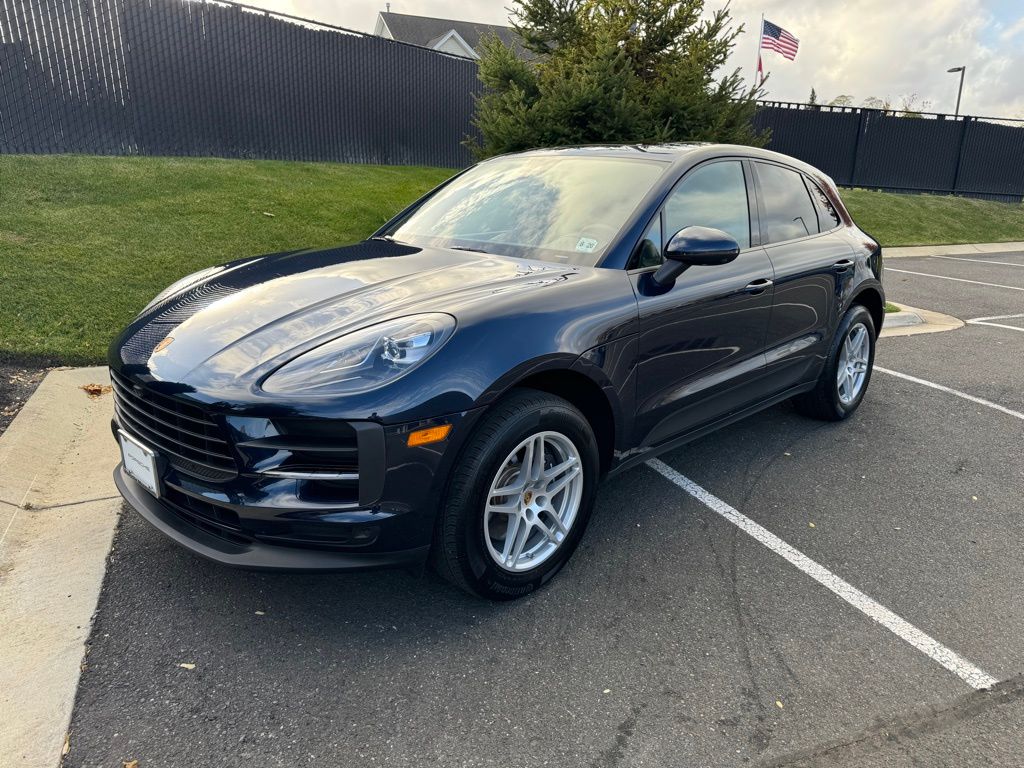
x: 533, y: 501
x: 854, y: 356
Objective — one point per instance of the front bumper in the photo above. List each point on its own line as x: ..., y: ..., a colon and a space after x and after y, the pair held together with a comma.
x: 254, y: 554
x: 248, y: 489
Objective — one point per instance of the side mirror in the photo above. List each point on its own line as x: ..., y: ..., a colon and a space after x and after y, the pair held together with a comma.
x: 695, y: 247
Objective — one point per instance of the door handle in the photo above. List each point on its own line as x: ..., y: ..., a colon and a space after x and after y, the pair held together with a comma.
x: 842, y: 266
x: 758, y: 286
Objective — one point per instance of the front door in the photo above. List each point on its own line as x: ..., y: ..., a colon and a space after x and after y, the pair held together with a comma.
x: 701, y: 343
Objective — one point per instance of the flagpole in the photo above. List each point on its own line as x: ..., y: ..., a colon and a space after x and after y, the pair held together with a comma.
x: 757, y: 62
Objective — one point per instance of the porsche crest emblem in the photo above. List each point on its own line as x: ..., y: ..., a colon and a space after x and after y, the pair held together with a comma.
x: 164, y: 344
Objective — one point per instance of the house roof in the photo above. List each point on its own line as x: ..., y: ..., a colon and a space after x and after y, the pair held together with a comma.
x: 427, y: 30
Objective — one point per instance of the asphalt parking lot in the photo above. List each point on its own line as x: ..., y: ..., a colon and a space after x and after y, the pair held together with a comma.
x: 675, y: 637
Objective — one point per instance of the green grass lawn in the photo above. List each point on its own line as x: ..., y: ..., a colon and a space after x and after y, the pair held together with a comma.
x: 85, y: 242
x: 895, y: 219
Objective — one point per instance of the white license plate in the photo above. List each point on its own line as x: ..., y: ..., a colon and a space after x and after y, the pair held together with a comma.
x: 139, y: 462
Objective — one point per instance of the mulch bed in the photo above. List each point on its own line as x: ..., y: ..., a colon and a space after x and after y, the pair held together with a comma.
x: 18, y: 380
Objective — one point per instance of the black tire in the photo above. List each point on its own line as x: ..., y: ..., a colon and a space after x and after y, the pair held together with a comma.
x: 823, y: 402
x: 460, y: 553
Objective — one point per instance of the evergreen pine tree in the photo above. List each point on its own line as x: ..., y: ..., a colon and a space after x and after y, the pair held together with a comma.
x: 609, y: 71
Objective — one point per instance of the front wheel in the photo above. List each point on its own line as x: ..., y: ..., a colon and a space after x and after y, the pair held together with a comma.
x: 847, y: 370
x: 519, y: 498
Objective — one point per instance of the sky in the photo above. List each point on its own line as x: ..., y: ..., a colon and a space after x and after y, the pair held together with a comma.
x: 887, y: 49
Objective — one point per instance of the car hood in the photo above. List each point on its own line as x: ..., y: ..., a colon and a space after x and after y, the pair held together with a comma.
x: 251, y: 317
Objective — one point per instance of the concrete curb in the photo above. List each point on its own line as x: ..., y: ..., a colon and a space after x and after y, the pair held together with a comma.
x: 915, y: 321
x: 58, y: 510
x: 966, y: 249
x: 902, y: 319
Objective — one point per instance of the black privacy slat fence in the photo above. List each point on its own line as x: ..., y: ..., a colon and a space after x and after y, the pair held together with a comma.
x: 929, y: 152
x: 212, y: 78
x: 183, y: 77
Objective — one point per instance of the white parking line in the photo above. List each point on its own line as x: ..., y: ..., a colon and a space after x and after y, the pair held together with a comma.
x: 980, y: 261
x: 987, y: 320
x: 956, y: 279
x: 928, y: 645
x: 949, y: 390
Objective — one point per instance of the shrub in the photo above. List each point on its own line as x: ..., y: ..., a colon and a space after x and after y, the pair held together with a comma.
x: 615, y: 71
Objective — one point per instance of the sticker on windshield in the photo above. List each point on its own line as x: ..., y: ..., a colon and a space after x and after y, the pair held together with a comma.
x: 586, y: 245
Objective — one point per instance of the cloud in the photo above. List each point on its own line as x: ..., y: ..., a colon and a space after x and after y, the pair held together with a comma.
x: 1013, y: 30
x: 864, y: 48
x: 362, y: 14
x: 888, y: 48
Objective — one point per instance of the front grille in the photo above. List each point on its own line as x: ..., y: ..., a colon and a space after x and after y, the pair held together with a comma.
x: 323, y: 454
x: 224, y: 523
x: 211, y: 518
x: 187, y: 437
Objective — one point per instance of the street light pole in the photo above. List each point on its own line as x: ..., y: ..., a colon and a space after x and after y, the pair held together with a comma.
x: 960, y: 91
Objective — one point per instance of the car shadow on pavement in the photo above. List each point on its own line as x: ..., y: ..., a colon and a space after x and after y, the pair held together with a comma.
x: 619, y: 554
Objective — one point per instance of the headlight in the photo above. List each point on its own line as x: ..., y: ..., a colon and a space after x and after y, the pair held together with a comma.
x: 181, y: 285
x: 365, y: 359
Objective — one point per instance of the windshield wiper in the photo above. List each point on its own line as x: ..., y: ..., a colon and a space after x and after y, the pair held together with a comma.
x: 466, y: 248
x: 391, y: 239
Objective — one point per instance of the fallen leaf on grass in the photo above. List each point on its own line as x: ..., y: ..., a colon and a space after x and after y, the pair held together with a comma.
x: 95, y: 390
x: 187, y: 666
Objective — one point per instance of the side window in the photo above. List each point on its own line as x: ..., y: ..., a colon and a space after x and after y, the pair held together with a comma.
x: 649, y: 252
x: 789, y: 212
x: 827, y: 216
x: 713, y: 195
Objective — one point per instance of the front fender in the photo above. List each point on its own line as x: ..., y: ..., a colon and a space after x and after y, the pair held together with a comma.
x: 608, y: 369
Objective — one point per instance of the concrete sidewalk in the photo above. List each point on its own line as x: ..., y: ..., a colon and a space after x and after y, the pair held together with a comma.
x: 966, y: 249
x: 58, y: 510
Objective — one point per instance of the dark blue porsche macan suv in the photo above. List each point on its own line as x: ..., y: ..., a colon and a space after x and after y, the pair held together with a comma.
x: 453, y: 389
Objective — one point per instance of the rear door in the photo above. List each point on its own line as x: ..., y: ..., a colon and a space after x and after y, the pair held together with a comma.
x: 701, y: 343
x: 810, y: 261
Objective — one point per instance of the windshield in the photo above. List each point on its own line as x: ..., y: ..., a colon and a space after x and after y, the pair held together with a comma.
x: 566, y: 209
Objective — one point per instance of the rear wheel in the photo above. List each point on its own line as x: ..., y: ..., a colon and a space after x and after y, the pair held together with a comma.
x: 520, y: 497
x: 847, y: 371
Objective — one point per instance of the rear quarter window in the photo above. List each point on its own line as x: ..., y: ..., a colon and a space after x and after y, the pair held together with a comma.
x: 828, y: 217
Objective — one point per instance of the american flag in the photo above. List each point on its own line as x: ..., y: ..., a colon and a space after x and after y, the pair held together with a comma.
x: 775, y: 38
